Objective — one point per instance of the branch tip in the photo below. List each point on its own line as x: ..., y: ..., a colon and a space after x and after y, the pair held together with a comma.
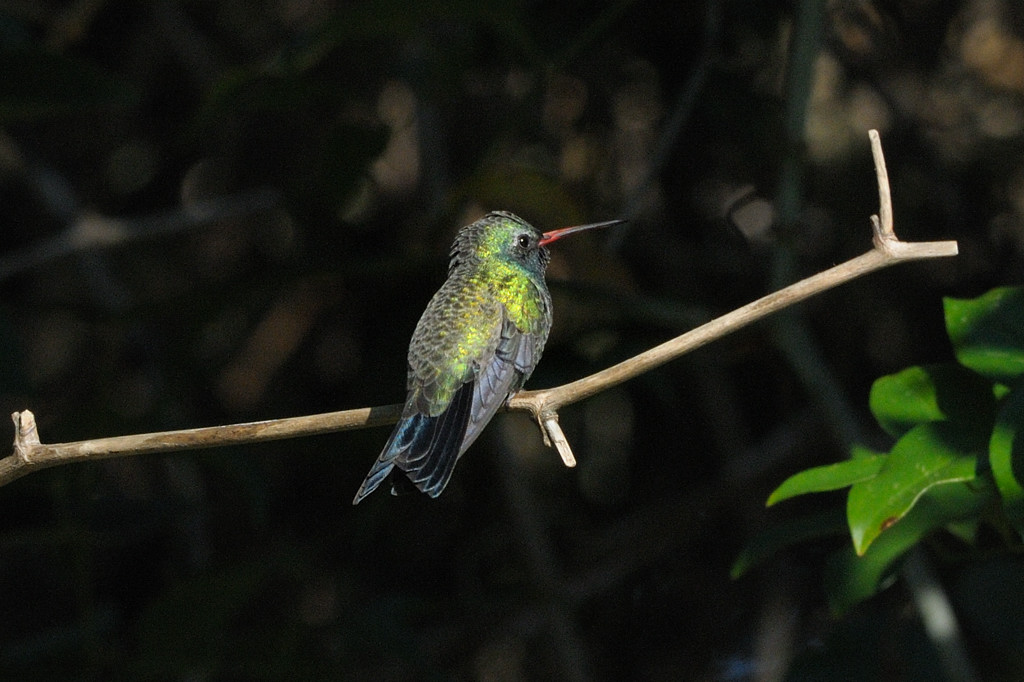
x: 26, y: 436
x: 553, y: 434
x: 883, y: 233
x: 883, y: 222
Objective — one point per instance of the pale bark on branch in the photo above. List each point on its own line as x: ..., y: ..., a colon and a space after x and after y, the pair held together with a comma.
x: 30, y: 454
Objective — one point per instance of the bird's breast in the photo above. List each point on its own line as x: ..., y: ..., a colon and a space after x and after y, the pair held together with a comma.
x: 527, y: 301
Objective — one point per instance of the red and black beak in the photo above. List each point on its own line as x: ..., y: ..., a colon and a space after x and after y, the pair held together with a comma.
x: 555, y: 235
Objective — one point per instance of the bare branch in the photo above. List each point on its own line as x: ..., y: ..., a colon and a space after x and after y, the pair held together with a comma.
x: 554, y: 436
x: 884, y: 195
x: 30, y: 454
x: 888, y: 250
x: 94, y: 231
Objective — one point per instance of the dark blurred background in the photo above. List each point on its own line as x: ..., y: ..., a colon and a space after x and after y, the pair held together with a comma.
x: 229, y: 211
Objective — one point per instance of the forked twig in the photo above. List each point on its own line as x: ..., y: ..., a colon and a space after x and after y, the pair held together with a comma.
x: 30, y: 454
x: 888, y: 250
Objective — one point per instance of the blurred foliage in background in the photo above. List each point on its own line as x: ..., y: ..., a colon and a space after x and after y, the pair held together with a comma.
x: 227, y: 211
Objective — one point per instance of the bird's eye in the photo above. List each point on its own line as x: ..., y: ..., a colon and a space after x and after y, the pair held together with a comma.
x: 523, y: 241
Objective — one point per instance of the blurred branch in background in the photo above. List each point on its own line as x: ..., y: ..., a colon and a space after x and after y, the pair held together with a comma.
x: 790, y: 331
x: 668, y: 137
x: 30, y: 454
x: 87, y: 230
x: 938, y: 616
x: 733, y: 132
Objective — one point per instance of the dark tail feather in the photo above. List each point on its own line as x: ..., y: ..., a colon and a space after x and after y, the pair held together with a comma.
x: 425, y: 448
x: 378, y: 472
x: 406, y: 433
x: 431, y: 469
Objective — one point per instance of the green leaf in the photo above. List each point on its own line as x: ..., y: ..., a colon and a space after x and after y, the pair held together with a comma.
x: 928, y: 455
x: 813, y: 527
x: 828, y: 477
x: 850, y: 578
x: 1006, y: 456
x: 988, y: 332
x: 931, y: 393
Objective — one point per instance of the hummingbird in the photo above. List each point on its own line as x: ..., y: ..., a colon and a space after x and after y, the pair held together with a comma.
x: 476, y: 344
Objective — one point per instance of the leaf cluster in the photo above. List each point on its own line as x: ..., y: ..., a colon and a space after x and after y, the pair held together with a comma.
x: 957, y: 462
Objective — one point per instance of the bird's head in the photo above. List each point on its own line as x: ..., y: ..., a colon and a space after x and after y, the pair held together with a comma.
x: 506, y: 236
